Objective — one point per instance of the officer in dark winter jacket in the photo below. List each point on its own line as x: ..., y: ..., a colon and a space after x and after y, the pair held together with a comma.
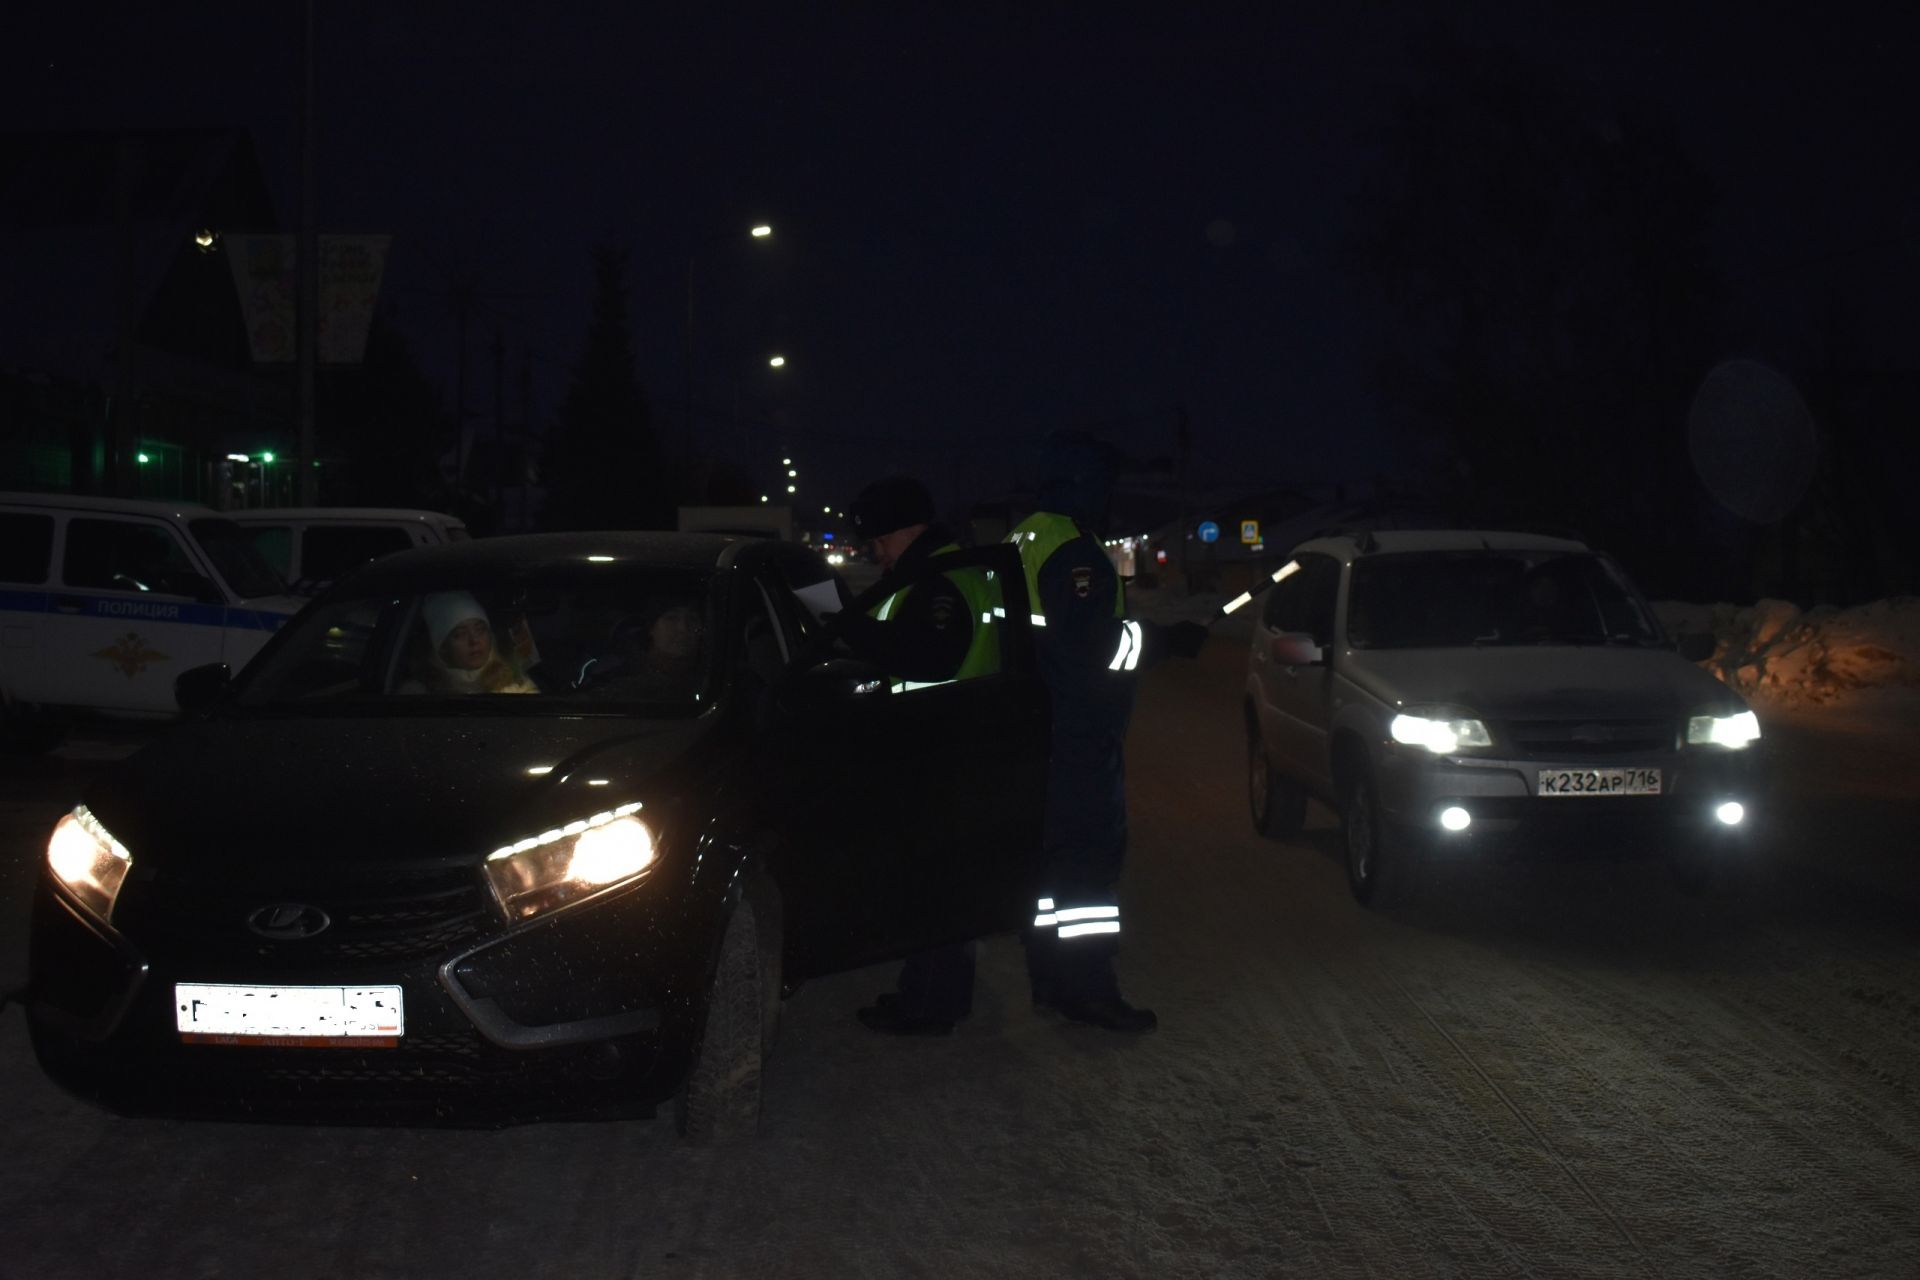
x: 1089, y: 652
x: 922, y: 632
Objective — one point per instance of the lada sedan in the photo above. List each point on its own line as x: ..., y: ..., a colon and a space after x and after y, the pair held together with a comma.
x: 525, y: 828
x: 1452, y: 693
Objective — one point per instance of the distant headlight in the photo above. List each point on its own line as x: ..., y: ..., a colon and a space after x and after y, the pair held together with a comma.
x: 547, y: 871
x: 1440, y: 736
x: 1725, y: 731
x: 86, y: 859
x: 834, y: 557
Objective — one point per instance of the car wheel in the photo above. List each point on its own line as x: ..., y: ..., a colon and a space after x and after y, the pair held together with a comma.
x: 1380, y: 869
x: 720, y: 1101
x: 1277, y: 803
x: 1708, y: 868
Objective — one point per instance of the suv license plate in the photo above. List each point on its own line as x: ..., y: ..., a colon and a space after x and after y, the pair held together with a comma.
x: 288, y: 1017
x: 1597, y: 782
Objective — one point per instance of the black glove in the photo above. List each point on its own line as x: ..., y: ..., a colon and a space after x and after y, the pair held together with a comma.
x: 1184, y: 639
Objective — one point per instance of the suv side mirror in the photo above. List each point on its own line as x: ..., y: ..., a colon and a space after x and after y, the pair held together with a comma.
x: 198, y: 688
x: 1697, y: 646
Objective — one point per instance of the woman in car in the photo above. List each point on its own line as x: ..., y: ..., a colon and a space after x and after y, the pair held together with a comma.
x: 461, y: 656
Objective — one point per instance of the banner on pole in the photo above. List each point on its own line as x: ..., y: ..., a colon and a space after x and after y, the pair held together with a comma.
x: 265, y: 275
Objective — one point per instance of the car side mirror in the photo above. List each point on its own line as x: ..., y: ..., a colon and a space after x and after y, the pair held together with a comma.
x: 198, y: 688
x: 1697, y: 646
x: 839, y: 680
x: 1295, y: 649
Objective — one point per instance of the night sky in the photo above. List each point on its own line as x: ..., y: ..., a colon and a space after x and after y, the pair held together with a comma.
x: 987, y: 224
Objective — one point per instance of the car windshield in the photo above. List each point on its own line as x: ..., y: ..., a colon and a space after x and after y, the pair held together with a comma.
x: 633, y: 639
x: 1440, y: 600
x: 239, y: 562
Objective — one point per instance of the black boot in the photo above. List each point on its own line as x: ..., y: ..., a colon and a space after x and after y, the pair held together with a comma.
x: 889, y: 1013
x: 1109, y: 1010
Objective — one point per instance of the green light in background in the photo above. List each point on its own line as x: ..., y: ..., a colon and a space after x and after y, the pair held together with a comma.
x: 266, y: 457
x: 142, y: 458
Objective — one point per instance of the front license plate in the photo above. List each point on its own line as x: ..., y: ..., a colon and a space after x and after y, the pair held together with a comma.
x: 1598, y: 782
x: 289, y: 1017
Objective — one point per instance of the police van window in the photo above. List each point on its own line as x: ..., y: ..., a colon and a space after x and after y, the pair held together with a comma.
x: 26, y: 547
x: 127, y: 555
x: 235, y: 559
x: 326, y: 552
x: 274, y: 542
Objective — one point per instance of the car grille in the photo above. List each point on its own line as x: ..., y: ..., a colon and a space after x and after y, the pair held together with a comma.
x: 381, y: 913
x: 1584, y: 739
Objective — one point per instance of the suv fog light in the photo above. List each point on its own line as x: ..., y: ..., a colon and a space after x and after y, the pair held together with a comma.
x: 1731, y: 813
x: 1454, y: 818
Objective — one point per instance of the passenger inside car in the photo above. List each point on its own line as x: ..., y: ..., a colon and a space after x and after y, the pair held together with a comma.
x: 659, y: 654
x: 455, y: 650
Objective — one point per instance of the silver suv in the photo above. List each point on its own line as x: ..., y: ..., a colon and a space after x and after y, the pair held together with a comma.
x: 1450, y: 693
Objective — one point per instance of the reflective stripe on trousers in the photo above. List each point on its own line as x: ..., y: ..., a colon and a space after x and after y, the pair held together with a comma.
x: 1076, y: 922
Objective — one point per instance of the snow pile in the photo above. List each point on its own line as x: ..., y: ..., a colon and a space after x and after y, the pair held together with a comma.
x: 1774, y: 650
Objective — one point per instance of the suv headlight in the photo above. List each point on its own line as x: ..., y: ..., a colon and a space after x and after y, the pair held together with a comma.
x: 544, y: 872
x: 87, y: 861
x: 1724, y: 731
x: 1441, y: 735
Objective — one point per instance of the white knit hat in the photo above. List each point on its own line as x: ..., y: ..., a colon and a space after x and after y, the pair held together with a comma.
x: 445, y: 610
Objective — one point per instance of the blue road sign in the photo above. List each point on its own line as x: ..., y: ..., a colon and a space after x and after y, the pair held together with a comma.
x: 1208, y: 531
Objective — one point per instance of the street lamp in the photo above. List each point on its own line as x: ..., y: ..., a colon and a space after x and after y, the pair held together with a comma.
x: 760, y: 232
x: 778, y: 362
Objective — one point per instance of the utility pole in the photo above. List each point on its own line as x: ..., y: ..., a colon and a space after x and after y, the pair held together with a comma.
x: 494, y: 478
x: 307, y: 283
x: 526, y: 441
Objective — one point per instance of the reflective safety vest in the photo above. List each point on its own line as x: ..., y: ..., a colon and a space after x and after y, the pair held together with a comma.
x: 983, y: 653
x: 1037, y: 538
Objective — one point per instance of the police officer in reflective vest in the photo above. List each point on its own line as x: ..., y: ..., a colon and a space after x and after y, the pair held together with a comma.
x: 1089, y: 654
x: 924, y: 633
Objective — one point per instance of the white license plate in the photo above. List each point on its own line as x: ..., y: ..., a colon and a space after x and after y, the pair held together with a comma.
x: 289, y: 1017
x: 1598, y: 782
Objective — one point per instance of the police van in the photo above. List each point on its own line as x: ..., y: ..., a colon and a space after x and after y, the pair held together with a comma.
x: 103, y: 601
x: 311, y: 546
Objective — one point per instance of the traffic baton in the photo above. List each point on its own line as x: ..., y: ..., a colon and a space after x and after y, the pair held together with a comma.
x: 1284, y: 572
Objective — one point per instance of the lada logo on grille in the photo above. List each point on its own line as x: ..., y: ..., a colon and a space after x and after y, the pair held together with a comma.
x: 288, y: 921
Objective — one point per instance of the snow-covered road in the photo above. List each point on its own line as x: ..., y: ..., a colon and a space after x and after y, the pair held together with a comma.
x: 1567, y: 1070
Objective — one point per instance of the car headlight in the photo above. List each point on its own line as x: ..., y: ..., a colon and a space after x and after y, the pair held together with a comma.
x: 1724, y: 731
x: 1440, y: 735
x: 547, y: 871
x: 87, y: 861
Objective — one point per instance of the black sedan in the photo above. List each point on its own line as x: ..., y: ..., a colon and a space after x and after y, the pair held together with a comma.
x: 526, y: 828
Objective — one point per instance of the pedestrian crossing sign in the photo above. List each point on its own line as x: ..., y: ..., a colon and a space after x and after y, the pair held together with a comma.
x: 1249, y: 531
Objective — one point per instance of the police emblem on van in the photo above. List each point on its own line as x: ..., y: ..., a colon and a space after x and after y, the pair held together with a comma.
x: 130, y: 654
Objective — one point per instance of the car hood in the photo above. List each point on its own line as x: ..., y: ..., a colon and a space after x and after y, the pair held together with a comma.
x: 365, y: 789
x: 1542, y: 682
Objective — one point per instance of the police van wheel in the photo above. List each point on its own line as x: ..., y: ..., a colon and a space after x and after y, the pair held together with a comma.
x: 28, y: 732
x: 1277, y: 804
x: 1380, y: 868
x: 720, y: 1101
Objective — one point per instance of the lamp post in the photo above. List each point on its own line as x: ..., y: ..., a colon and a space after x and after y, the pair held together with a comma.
x: 761, y: 231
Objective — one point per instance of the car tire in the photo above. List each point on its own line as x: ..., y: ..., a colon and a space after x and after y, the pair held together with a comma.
x: 1277, y: 804
x: 720, y: 1101
x: 1708, y: 868
x: 1381, y: 867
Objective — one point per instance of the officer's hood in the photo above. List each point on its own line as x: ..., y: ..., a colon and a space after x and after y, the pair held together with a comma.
x: 1076, y: 478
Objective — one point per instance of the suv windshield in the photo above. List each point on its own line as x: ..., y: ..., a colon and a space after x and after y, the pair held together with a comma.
x: 593, y: 638
x: 1439, y: 600
x: 236, y: 559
